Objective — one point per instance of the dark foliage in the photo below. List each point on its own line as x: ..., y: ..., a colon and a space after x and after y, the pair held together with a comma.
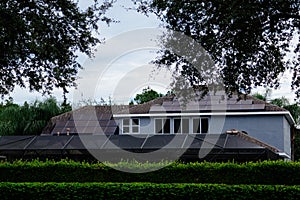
x: 145, y: 191
x: 29, y: 119
x: 247, y: 40
x: 148, y: 94
x: 40, y: 39
x: 267, y: 172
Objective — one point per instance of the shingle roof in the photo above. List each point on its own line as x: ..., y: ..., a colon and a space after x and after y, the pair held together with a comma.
x: 206, y: 104
x: 88, y: 118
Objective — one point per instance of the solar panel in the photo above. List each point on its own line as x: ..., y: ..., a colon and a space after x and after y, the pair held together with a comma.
x: 103, y: 122
x: 196, y: 103
x: 15, y: 142
x: 126, y: 141
x: 169, y: 103
x: 234, y: 142
x: 85, y: 121
x: 247, y: 107
x: 242, y: 101
x: 110, y: 130
x: 92, y: 123
x: 80, y: 123
x: 191, y: 108
x: 104, y: 116
x: 258, y: 106
x: 111, y: 123
x: 75, y: 144
x: 157, y: 108
x: 236, y: 107
x: 164, y: 141
x: 172, y: 108
x: 69, y: 123
x: 199, y: 141
x: 55, y: 130
x: 217, y: 139
x: 84, y: 115
x: 216, y: 97
x: 67, y: 130
x: 223, y: 147
x: 232, y: 101
x: 88, y: 130
x: 93, y: 142
x: 246, y: 102
x: 48, y: 142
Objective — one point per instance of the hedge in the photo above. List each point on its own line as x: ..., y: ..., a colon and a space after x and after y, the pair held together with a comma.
x: 145, y: 191
x: 267, y: 172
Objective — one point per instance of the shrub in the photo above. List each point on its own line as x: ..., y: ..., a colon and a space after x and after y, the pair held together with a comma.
x: 145, y: 191
x: 267, y: 172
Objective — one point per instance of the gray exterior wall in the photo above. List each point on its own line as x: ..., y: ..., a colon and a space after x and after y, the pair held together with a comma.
x: 271, y: 129
x: 287, y: 136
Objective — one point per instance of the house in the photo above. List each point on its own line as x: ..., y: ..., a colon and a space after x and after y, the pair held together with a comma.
x: 262, y: 128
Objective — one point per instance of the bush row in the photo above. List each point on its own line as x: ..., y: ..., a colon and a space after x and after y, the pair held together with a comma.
x: 267, y: 172
x: 145, y: 191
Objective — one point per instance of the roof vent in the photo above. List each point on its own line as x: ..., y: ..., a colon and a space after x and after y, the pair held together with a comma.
x: 232, y: 132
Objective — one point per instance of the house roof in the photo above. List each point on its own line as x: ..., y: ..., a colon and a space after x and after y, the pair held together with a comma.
x: 222, y: 147
x: 207, y: 103
x: 100, y: 119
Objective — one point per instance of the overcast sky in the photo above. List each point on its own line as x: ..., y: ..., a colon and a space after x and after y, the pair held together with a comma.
x: 120, y: 71
x: 129, y: 20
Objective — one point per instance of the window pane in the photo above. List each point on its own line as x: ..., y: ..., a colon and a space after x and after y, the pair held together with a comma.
x: 185, y: 125
x: 126, y: 129
x: 135, y: 129
x: 135, y: 122
x: 196, y: 127
x: 166, y: 126
x: 204, y: 125
x: 126, y: 122
x: 177, y: 125
x: 158, y: 125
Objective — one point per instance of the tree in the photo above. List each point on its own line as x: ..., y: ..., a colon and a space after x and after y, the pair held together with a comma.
x: 265, y: 96
x: 40, y: 39
x: 281, y: 102
x: 29, y: 119
x: 294, y: 108
x: 295, y: 112
x: 248, y: 40
x: 259, y: 96
x: 148, y: 94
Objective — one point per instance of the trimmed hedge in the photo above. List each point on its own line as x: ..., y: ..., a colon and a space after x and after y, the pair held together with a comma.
x: 268, y: 172
x: 145, y: 191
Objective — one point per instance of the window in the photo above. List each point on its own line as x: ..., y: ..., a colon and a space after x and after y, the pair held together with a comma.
x: 204, y: 125
x: 162, y: 126
x: 135, y: 125
x: 200, y: 125
x: 131, y: 125
x: 181, y: 125
x: 126, y: 125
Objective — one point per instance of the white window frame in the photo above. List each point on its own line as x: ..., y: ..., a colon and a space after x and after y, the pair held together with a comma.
x: 181, y: 127
x: 130, y: 126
